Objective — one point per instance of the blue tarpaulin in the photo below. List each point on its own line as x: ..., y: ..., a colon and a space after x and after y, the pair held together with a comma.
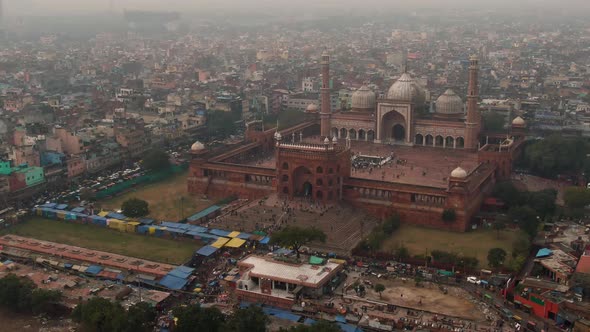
x: 62, y: 207
x: 544, y: 252
x: 309, y: 321
x: 265, y: 240
x: 146, y: 221
x: 282, y: 314
x: 349, y: 328
x: 219, y: 232
x: 207, y: 251
x: 172, y: 282
x: 94, y: 269
x: 49, y: 205
x: 116, y: 216
x: 181, y: 272
x: 244, y: 236
x: 204, y: 213
x: 78, y: 209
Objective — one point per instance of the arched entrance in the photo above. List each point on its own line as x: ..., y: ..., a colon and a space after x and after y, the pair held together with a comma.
x: 393, y: 127
x: 398, y: 132
x: 460, y: 142
x: 419, y: 139
x: 302, y: 182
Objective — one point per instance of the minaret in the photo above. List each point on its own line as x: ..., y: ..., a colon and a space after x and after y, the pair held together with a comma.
x: 326, y: 111
x: 473, y: 121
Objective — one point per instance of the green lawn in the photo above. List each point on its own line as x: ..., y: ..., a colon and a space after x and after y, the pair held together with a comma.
x: 164, y: 199
x: 474, y: 243
x: 104, y: 239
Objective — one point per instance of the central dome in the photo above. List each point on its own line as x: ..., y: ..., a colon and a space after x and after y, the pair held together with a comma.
x: 197, y: 146
x: 363, y: 99
x: 406, y: 89
x: 449, y: 103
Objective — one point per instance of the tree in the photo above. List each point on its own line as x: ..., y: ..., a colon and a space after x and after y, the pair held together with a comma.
x: 156, y: 160
x: 576, y: 197
x: 493, y: 121
x: 135, y: 207
x: 319, y: 326
x: 526, y: 218
x: 194, y: 318
x: 15, y: 293
x: 391, y: 224
x: 101, y: 315
x: 250, y: 319
x: 295, y: 237
x: 507, y: 192
x: 543, y: 202
x: 43, y: 300
x: 402, y: 253
x: 556, y: 155
x: 499, y: 225
x: 496, y: 257
x: 379, y: 288
x: 449, y: 216
x: 221, y: 124
x: 521, y: 246
x: 140, y: 317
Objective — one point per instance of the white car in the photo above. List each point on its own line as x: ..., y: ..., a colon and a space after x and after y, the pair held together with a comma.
x: 473, y: 280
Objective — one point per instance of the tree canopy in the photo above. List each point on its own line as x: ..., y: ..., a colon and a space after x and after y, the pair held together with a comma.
x: 449, y: 215
x: 195, y: 318
x: 102, y: 315
x: 379, y: 288
x: 20, y: 294
x: 319, y: 326
x: 576, y: 197
x: 493, y: 121
x: 557, y: 155
x: 221, y: 124
x: 295, y: 237
x: 250, y: 319
x: 156, y: 160
x: 496, y: 257
x: 135, y: 207
x: 526, y: 218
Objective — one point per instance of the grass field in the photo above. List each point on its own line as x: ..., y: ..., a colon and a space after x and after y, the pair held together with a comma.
x: 164, y: 199
x: 475, y: 243
x: 104, y: 239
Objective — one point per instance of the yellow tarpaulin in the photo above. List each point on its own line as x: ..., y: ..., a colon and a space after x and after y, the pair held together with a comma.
x: 235, y: 243
x: 103, y: 213
x: 234, y: 234
x: 151, y: 230
x: 220, y: 242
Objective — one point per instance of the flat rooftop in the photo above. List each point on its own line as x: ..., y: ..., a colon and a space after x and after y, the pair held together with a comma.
x: 86, y: 255
x: 302, y: 274
x: 419, y: 166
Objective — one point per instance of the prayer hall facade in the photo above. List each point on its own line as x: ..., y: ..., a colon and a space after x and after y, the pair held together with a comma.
x: 384, y: 155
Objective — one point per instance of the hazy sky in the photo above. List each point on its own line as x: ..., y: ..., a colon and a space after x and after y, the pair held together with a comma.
x: 39, y: 7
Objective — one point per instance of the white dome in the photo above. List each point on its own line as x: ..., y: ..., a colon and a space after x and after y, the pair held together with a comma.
x: 363, y: 98
x: 459, y: 173
x: 312, y: 108
x: 335, y: 140
x: 449, y: 103
x: 518, y: 121
x: 197, y: 146
x: 406, y: 89
x: 278, y: 136
x: 326, y: 140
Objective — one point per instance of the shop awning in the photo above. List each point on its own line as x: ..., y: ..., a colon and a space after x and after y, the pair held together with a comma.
x: 233, y: 234
x: 235, y: 243
x: 207, y: 251
x: 220, y: 242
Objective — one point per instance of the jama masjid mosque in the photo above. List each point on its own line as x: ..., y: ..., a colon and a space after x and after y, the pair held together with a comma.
x: 383, y: 155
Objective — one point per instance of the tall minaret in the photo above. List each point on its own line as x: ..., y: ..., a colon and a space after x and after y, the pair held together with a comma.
x: 326, y: 111
x: 473, y: 121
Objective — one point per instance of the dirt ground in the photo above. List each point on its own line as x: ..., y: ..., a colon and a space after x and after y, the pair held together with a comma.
x: 427, y: 297
x: 168, y: 200
x: 10, y: 322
